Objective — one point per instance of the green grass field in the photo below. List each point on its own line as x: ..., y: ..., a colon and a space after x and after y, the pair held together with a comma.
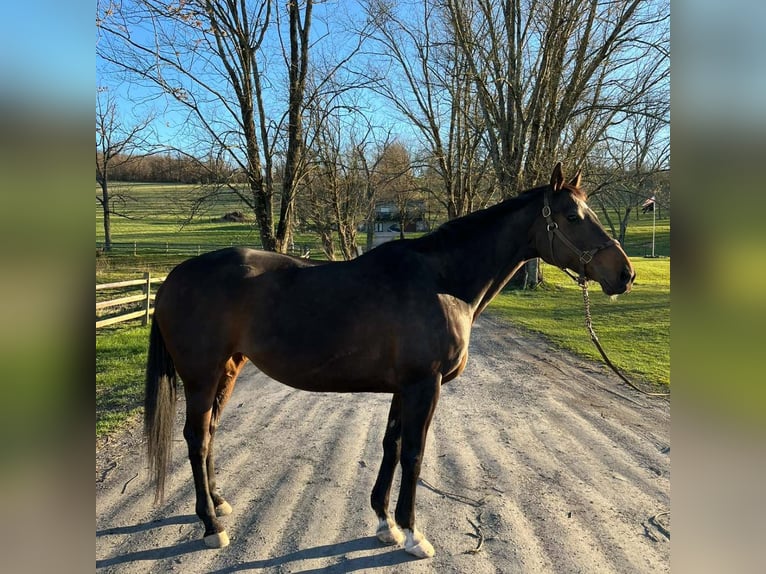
x: 634, y: 329
x: 120, y: 365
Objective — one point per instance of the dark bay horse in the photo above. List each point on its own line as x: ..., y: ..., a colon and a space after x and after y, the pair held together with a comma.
x: 395, y: 320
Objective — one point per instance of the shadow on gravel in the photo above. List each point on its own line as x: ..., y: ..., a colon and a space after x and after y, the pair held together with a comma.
x: 154, y: 553
x: 158, y: 523
x: 395, y: 555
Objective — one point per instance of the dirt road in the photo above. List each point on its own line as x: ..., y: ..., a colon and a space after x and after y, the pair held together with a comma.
x: 530, y: 459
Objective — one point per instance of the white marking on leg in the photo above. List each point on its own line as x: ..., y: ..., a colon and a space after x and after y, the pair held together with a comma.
x: 217, y: 540
x: 388, y: 532
x: 417, y: 545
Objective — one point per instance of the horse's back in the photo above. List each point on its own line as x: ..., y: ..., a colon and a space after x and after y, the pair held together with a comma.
x: 223, y: 270
x: 201, y: 305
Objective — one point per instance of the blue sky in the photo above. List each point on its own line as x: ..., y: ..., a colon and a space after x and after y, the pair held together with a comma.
x: 719, y: 76
x: 331, y: 18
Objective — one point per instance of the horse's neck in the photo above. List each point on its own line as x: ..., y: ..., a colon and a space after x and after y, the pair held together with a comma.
x: 477, y: 261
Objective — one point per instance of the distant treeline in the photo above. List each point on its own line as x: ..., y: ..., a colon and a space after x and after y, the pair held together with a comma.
x: 171, y: 168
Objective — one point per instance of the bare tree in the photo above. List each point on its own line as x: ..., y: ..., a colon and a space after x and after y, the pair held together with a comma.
x: 316, y: 211
x: 334, y: 190
x: 238, y: 71
x: 369, y: 167
x: 116, y: 144
x: 520, y: 84
x: 394, y: 181
x: 344, y: 179
x: 629, y: 166
x: 554, y: 76
x: 432, y: 89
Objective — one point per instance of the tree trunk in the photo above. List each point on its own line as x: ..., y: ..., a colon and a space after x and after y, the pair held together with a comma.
x: 370, y: 206
x: 346, y: 233
x: 533, y: 273
x: 370, y: 230
x: 263, y: 213
x: 298, y: 67
x: 325, y: 235
x: 529, y: 276
x: 624, y: 225
x: 107, y: 215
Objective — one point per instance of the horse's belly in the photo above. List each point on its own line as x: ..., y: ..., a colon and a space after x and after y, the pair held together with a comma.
x: 344, y: 372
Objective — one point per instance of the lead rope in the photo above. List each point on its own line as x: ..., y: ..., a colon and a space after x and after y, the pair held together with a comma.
x: 593, y: 337
x: 583, y: 282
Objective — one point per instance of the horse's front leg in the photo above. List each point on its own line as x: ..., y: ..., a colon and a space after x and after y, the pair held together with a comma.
x: 197, y: 435
x: 388, y: 532
x: 418, y: 405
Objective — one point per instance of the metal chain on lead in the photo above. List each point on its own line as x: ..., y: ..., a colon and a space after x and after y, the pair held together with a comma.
x: 586, y: 301
x: 589, y: 325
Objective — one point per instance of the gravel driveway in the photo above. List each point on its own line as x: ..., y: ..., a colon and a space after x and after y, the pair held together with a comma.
x: 542, y: 461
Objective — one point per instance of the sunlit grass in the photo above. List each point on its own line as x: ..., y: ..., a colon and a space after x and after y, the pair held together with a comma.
x: 120, y: 365
x: 634, y: 328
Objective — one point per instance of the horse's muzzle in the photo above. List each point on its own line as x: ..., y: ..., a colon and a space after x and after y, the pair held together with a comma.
x: 621, y: 284
x: 627, y: 276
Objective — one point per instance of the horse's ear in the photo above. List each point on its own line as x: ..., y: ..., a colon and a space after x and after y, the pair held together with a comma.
x: 577, y: 179
x: 557, y: 177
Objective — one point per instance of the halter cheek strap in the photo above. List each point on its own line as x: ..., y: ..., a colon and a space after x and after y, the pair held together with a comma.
x: 585, y: 256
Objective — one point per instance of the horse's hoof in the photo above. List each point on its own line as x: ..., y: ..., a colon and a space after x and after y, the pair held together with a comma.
x: 223, y: 509
x: 417, y: 545
x: 388, y: 532
x: 217, y: 540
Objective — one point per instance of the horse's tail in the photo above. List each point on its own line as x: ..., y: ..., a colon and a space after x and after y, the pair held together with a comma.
x: 159, y: 408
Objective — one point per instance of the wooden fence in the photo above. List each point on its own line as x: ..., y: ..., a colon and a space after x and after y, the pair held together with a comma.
x: 134, y: 306
x: 148, y: 248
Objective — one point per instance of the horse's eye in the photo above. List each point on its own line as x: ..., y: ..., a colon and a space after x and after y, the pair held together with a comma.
x: 573, y: 217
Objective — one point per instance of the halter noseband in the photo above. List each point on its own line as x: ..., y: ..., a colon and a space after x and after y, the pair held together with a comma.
x: 585, y: 256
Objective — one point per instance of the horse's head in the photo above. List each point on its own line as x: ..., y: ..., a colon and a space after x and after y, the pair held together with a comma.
x: 569, y: 235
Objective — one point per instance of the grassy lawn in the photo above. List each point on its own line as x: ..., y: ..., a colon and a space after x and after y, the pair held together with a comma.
x: 120, y: 365
x: 158, y: 233
x: 634, y: 329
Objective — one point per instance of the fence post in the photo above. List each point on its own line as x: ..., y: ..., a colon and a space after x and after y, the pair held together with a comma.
x: 148, y: 300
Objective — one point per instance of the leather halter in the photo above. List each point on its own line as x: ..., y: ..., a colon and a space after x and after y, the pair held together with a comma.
x: 585, y: 256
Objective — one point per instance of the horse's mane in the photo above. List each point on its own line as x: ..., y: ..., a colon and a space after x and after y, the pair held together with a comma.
x: 460, y: 227
x: 456, y: 230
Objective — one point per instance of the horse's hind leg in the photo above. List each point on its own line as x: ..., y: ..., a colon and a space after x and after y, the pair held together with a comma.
x: 199, y: 409
x: 225, y: 387
x: 388, y: 532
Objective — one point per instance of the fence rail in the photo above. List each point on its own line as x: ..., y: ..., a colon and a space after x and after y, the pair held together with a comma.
x: 159, y: 248
x: 128, y: 304
x: 135, y: 248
